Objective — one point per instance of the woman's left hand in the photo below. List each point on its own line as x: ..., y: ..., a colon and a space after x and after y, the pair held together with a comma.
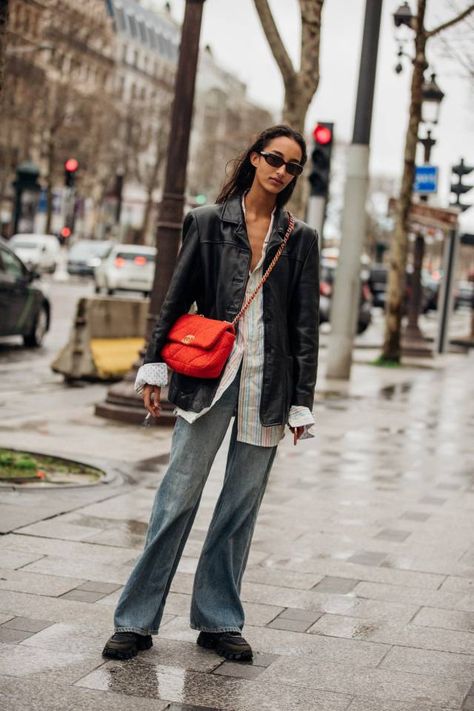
x: 297, y: 432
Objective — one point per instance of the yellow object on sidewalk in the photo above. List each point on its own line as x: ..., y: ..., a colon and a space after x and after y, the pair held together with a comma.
x: 115, y: 356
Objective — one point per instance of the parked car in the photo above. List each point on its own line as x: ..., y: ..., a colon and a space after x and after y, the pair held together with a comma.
x: 24, y: 309
x: 87, y: 254
x: 127, y: 267
x: 378, y: 278
x: 38, y: 252
x: 326, y: 285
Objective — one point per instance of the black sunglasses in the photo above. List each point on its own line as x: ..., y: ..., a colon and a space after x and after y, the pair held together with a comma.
x: 292, y: 167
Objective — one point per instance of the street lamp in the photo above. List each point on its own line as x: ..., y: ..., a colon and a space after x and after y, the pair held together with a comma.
x: 403, y: 16
x: 431, y: 96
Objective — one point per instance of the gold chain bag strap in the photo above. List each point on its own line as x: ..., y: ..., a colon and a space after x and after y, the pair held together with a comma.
x: 291, y: 226
x: 200, y: 347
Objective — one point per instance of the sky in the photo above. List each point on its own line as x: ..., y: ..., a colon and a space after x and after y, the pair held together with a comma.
x: 232, y: 29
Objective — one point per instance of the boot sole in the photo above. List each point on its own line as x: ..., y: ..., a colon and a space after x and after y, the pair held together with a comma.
x: 226, y: 653
x: 112, y: 653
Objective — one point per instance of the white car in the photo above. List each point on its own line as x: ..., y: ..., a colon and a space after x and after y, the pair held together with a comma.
x: 40, y: 253
x: 127, y: 267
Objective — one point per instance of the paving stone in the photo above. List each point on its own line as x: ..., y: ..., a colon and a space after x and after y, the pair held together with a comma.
x: 455, y: 584
x: 27, y: 625
x: 458, y: 642
x: 38, y: 695
x: 291, y: 625
x: 23, y: 661
x: 82, y: 595
x: 415, y: 516
x: 468, y: 704
x: 4, y: 617
x: 432, y: 500
x: 13, y: 635
x: 293, y: 613
x: 55, y: 528
x: 373, y: 683
x: 333, y: 584
x: 419, y: 661
x: 367, y: 558
x: 263, y: 660
x: 98, y: 586
x: 239, y: 670
x: 16, y: 559
x: 367, y: 704
x: 392, y: 534
x: 445, y: 619
x: 22, y: 581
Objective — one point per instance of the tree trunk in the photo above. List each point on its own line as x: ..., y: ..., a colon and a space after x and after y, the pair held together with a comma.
x: 3, y: 38
x: 399, y: 249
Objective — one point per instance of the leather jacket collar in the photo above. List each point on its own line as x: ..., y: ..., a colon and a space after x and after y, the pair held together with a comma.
x: 232, y: 212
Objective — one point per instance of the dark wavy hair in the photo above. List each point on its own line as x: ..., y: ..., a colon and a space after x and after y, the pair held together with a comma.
x: 243, y: 171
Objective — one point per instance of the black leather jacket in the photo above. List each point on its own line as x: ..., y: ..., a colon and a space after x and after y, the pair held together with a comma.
x: 212, y: 270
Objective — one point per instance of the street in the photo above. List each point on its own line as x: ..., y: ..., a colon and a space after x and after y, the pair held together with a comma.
x: 358, y: 592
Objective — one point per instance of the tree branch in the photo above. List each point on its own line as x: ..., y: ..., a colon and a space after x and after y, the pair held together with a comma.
x: 453, y: 21
x: 310, y: 41
x: 275, y: 41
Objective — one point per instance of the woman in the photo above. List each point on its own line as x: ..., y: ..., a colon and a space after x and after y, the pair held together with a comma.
x: 268, y: 381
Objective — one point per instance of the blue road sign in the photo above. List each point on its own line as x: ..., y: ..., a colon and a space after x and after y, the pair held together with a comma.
x: 426, y: 179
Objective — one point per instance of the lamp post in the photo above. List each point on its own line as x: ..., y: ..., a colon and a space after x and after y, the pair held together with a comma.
x: 413, y: 341
x: 122, y: 403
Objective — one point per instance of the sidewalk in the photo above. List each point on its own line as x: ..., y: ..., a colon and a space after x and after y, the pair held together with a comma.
x: 359, y: 592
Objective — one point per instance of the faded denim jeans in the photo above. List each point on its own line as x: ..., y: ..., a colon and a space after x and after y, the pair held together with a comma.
x: 215, y: 605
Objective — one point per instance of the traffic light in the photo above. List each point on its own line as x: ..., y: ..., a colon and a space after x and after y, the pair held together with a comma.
x: 319, y: 176
x: 459, y: 188
x: 70, y: 170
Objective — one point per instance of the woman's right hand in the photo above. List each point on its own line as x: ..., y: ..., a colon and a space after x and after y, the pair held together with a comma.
x: 151, y: 399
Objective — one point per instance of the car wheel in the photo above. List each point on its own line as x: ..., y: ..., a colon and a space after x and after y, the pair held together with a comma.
x: 110, y: 292
x: 146, y: 294
x: 97, y: 289
x: 40, y: 327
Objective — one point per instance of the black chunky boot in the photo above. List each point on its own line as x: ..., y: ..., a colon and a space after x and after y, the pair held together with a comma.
x: 125, y: 645
x: 230, y: 645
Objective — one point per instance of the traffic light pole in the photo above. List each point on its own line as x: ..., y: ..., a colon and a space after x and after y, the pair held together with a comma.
x: 346, y: 298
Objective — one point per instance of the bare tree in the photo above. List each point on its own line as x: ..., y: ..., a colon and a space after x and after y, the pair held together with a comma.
x: 398, y: 257
x: 300, y: 84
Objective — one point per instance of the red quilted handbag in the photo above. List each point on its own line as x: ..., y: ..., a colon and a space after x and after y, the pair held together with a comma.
x: 200, y: 346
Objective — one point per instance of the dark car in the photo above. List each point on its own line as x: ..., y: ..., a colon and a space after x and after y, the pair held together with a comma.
x: 326, y: 285
x: 87, y: 254
x: 378, y: 278
x: 24, y: 309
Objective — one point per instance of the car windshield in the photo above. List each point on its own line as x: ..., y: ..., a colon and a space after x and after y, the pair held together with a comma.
x: 25, y: 245
x: 131, y: 256
x: 89, y: 249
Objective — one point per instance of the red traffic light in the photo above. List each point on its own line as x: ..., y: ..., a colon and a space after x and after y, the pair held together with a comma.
x: 71, y: 165
x: 65, y: 232
x: 322, y: 134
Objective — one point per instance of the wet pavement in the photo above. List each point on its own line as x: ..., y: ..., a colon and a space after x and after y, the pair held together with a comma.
x: 359, y: 592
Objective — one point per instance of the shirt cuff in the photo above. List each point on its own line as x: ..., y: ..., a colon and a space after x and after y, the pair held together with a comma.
x: 301, y: 416
x: 151, y: 374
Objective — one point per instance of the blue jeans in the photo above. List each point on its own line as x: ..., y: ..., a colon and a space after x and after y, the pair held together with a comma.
x: 215, y: 604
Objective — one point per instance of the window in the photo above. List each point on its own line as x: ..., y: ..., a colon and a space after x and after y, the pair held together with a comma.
x: 142, y: 28
x: 133, y: 26
x: 120, y: 17
x: 10, y: 266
